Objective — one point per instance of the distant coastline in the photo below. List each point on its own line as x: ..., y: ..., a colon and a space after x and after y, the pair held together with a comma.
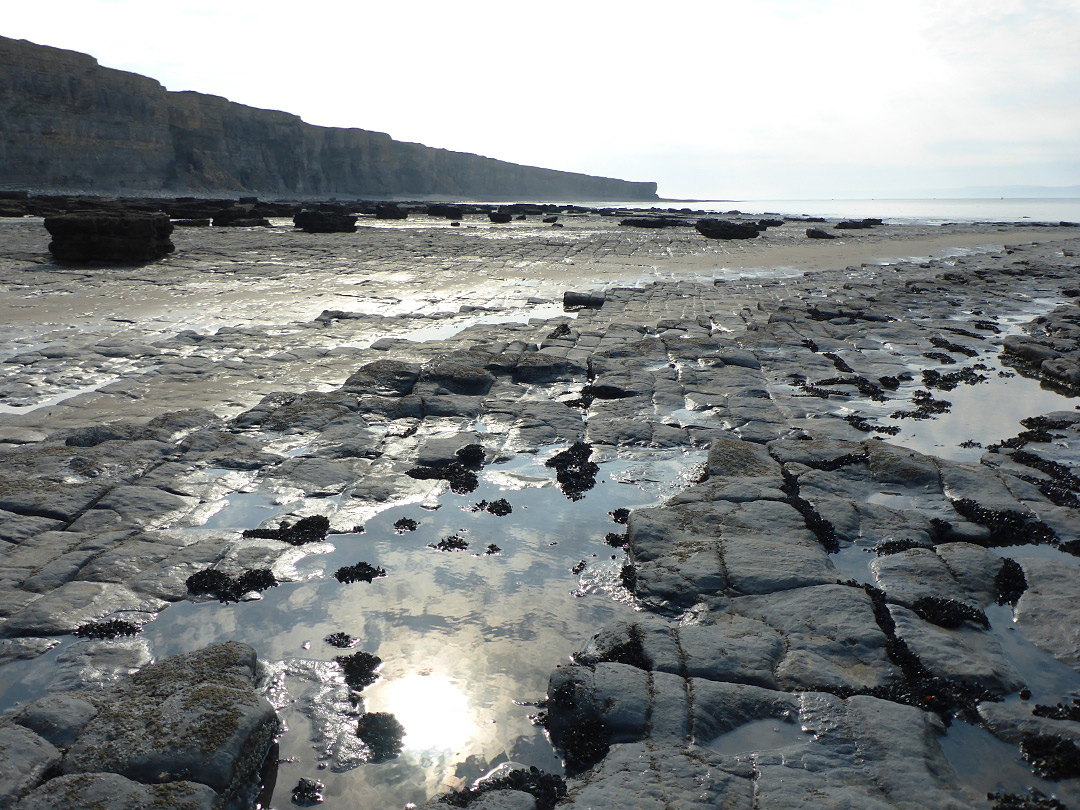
x: 930, y: 210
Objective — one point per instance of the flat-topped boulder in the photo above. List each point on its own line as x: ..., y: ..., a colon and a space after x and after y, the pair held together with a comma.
x: 110, y: 236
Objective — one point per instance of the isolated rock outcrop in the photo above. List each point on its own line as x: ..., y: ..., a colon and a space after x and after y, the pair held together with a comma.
x: 105, y: 236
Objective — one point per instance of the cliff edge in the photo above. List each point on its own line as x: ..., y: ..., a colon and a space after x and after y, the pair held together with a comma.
x: 68, y: 123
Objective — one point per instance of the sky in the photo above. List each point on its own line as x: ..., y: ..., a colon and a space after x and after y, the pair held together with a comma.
x: 752, y: 99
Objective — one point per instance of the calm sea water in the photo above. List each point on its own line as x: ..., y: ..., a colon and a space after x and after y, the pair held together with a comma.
x: 933, y: 211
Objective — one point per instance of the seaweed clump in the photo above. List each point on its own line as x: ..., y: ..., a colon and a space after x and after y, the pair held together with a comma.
x: 573, y: 470
x: 1009, y: 582
x: 306, y: 530
x: 948, y: 613
x: 1033, y: 800
x: 382, y: 733
x: 1007, y: 526
x: 462, y: 480
x: 359, y: 669
x: 454, y: 542
x: 402, y: 525
x: 1051, y: 757
x: 546, y: 788
x: 340, y: 640
x: 926, y: 407
x: 230, y: 589
x: 361, y: 572
x: 1062, y: 711
x: 500, y: 507
x: 620, y: 515
x: 308, y: 792
x: 109, y: 629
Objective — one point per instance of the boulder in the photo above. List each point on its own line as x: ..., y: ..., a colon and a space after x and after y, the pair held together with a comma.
x: 818, y: 233
x: 192, y: 717
x: 582, y: 300
x: 390, y: 211
x: 500, y: 217
x: 725, y: 229
x: 99, y: 236
x: 857, y: 224
x: 325, y: 222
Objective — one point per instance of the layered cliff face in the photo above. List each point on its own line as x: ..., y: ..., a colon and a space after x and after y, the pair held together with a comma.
x: 66, y: 122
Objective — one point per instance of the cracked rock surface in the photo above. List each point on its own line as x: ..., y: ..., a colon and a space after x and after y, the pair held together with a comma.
x: 876, y: 553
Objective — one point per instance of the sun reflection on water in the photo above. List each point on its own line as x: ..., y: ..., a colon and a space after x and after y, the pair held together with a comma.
x: 433, y: 709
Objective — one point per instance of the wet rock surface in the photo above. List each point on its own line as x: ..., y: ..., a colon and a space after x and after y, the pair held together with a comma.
x: 816, y: 609
x: 189, y: 731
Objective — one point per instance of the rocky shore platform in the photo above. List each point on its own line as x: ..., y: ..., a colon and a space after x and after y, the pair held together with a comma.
x: 773, y: 522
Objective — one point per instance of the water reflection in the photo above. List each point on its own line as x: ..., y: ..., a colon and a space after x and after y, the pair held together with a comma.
x: 433, y: 709
x: 467, y: 639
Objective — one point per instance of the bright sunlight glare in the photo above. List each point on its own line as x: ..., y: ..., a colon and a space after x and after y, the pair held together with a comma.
x: 433, y: 710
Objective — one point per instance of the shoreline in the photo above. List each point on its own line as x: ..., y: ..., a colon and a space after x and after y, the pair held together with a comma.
x: 687, y: 359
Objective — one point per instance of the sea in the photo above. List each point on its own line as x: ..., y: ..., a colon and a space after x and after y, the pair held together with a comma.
x: 914, y: 211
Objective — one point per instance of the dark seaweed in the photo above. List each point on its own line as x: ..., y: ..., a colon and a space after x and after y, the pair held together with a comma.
x: 941, y: 357
x: 866, y: 387
x: 1051, y: 757
x: 461, y: 479
x: 948, y: 612
x: 861, y: 423
x: 628, y: 576
x: 500, y: 508
x: 361, y: 572
x: 230, y: 589
x: 308, y: 792
x: 573, y: 470
x: 359, y: 669
x: 340, y: 640
x: 620, y: 515
x: 822, y: 528
x: 454, y: 542
x: 405, y: 524
x: 615, y: 540
x: 949, y: 346
x: 546, y: 788
x: 920, y: 688
x: 109, y: 629
x: 1007, y: 526
x: 471, y: 455
x: 560, y: 331
x: 926, y: 407
x: 382, y: 733
x: 1032, y: 800
x: 887, y: 547
x: 932, y: 378
x: 838, y: 362
x: 1062, y: 711
x: 306, y: 530
x: 1009, y: 582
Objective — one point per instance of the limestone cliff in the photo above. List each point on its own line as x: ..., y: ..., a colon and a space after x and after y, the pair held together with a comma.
x: 68, y: 123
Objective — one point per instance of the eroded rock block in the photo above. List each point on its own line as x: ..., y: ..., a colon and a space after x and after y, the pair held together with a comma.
x: 100, y: 236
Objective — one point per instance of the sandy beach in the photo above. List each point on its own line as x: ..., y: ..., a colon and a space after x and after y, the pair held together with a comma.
x: 788, y: 584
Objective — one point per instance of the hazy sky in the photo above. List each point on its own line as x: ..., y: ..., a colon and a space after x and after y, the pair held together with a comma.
x: 713, y: 99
